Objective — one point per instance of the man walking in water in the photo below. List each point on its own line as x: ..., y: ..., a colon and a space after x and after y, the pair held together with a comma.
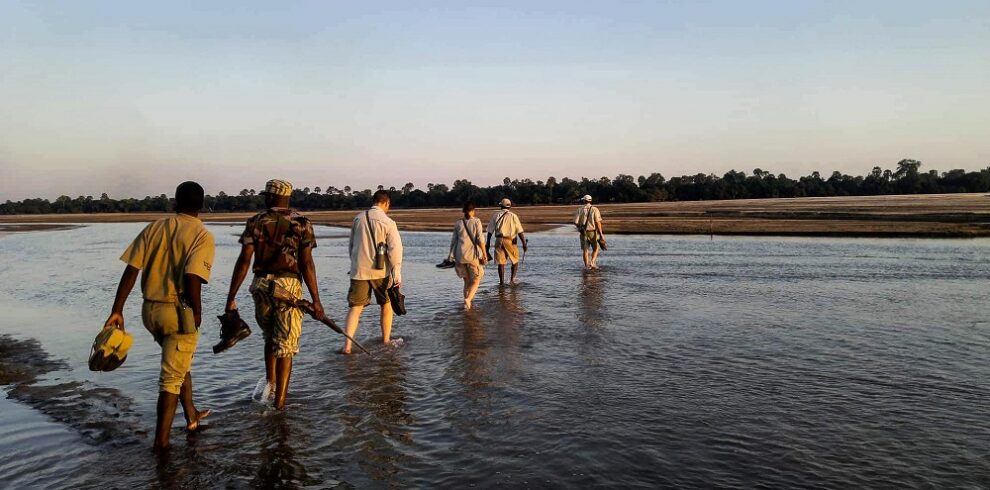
x: 506, y: 227
x: 281, y: 242
x: 588, y: 221
x: 376, y: 265
x: 175, y: 256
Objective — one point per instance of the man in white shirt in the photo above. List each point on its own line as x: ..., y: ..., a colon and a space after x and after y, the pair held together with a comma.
x: 588, y: 221
x: 373, y: 234
x: 506, y: 227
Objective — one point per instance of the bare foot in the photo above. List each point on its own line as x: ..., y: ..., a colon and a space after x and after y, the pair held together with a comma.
x: 194, y: 424
x: 467, y: 305
x: 345, y: 352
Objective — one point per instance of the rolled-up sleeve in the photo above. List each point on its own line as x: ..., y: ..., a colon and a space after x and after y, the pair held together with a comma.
x: 394, y: 243
x: 247, y: 236
x: 137, y: 252
x: 199, y: 262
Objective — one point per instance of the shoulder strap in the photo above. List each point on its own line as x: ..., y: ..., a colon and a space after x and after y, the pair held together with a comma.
x: 498, y: 224
x: 469, y: 234
x: 479, y: 249
x: 171, y: 260
x: 371, y: 233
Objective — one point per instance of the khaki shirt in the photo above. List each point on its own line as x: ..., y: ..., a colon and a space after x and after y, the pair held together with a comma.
x: 467, y: 246
x: 363, y: 250
x: 589, y: 215
x: 508, y: 227
x: 168, y: 249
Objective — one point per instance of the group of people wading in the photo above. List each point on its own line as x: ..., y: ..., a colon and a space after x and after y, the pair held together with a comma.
x: 175, y: 257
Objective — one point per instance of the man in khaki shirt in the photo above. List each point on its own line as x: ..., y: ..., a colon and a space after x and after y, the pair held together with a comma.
x: 506, y: 227
x: 174, y: 256
x: 588, y: 220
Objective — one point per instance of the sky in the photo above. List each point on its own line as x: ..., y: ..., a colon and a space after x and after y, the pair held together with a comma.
x: 131, y: 98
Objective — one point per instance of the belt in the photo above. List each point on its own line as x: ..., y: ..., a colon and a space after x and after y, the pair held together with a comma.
x: 275, y: 275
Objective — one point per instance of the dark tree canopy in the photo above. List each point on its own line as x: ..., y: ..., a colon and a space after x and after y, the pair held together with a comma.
x: 905, y: 178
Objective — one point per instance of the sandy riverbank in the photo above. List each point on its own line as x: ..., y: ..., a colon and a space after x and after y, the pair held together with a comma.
x: 934, y: 215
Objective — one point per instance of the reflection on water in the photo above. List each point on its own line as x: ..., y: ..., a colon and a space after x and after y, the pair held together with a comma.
x: 278, y: 467
x: 591, y: 296
x: 376, y: 422
x: 690, y: 363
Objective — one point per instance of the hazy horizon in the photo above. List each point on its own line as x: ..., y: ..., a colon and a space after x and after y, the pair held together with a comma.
x: 130, y: 99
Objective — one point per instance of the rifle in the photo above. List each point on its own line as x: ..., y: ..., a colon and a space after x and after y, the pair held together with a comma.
x: 280, y: 294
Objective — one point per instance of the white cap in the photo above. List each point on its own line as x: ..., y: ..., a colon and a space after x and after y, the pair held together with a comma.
x: 586, y: 198
x: 505, y: 203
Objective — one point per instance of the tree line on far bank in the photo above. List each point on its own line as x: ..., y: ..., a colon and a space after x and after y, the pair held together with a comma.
x: 905, y: 178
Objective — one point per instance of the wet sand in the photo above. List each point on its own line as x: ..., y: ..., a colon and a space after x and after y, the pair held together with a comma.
x: 931, y: 215
x: 7, y: 228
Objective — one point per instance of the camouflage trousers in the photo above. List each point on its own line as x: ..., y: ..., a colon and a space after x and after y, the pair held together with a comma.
x: 280, y: 323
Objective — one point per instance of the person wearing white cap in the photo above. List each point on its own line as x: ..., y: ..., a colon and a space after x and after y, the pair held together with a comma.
x: 588, y: 221
x: 507, y: 229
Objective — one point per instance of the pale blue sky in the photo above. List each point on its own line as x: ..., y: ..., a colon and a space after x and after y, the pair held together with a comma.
x: 131, y: 98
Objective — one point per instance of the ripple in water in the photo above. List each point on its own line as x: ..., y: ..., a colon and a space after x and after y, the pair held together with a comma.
x: 684, y: 362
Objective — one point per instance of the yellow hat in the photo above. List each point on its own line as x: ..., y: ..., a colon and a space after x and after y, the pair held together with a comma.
x: 277, y: 187
x: 109, y: 349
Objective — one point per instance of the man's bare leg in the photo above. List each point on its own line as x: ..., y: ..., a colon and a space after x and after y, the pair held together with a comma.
x: 515, y: 269
x: 501, y: 273
x: 167, y: 403
x: 594, y: 258
x: 353, y: 318
x: 192, y: 415
x: 283, y: 371
x: 269, y: 362
x: 584, y: 257
x: 386, y: 323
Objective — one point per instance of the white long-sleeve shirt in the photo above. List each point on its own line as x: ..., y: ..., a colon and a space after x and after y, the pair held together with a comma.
x: 363, y: 249
x: 468, y: 244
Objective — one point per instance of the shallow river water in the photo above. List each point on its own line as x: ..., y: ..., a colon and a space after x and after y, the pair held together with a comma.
x: 683, y: 362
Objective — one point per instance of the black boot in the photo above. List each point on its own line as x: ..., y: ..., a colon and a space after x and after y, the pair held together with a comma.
x: 232, y: 331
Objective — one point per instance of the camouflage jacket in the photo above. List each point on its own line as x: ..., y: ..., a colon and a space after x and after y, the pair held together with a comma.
x: 278, y: 236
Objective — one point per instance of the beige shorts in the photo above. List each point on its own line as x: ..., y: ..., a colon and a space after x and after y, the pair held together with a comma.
x: 469, y: 271
x: 280, y: 323
x: 505, y: 250
x: 589, y: 239
x: 162, y: 320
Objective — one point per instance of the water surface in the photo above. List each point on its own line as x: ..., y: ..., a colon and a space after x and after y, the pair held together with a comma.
x: 735, y: 362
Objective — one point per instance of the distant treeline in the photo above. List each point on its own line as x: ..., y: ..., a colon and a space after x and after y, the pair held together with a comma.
x: 906, y: 178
